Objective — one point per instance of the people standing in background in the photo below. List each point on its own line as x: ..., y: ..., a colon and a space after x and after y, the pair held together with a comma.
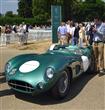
x: 98, y: 45
x: 90, y: 37
x: 26, y: 33
x: 71, y: 31
x: 25, y: 27
x: 8, y: 31
x: 14, y: 31
x: 68, y: 32
x: 62, y: 32
x: 81, y: 34
x: 21, y: 34
x: 101, y: 30
x: 15, y: 28
x: 3, y: 36
x: 87, y: 32
x: 76, y: 34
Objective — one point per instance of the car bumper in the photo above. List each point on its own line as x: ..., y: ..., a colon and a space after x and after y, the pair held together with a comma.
x: 25, y: 87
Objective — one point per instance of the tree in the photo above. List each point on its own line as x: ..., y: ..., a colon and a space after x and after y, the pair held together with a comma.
x: 9, y: 14
x: 71, y: 9
x: 93, y: 1
x: 25, y: 8
x: 41, y: 8
x: 44, y: 6
x: 0, y: 14
x: 90, y: 1
x: 86, y: 11
x: 68, y: 9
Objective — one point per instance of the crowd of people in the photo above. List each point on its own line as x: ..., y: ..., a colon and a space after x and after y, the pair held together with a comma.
x: 81, y: 34
x: 75, y: 33
x: 21, y: 31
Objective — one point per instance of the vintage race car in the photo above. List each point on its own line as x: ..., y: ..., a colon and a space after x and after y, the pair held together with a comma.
x: 51, y: 71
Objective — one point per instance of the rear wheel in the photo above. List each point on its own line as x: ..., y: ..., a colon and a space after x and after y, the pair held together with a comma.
x: 62, y: 87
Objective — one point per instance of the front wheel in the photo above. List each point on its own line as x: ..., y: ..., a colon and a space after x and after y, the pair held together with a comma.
x: 62, y: 87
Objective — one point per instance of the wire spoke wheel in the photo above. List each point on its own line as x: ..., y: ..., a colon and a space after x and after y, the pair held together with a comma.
x: 63, y: 82
x: 62, y: 86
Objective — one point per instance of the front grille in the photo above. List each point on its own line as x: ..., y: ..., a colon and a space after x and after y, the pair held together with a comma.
x: 20, y: 85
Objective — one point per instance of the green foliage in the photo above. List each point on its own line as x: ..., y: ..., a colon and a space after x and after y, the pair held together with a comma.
x: 40, y: 8
x: 0, y: 14
x: 90, y: 1
x: 9, y: 14
x: 39, y: 11
x: 71, y: 9
x: 25, y: 8
x: 103, y: 16
x: 18, y: 20
x: 86, y: 11
x: 44, y: 6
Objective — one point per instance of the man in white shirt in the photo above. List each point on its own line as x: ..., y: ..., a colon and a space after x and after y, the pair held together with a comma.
x: 101, y: 30
x: 98, y: 45
x: 68, y: 32
x: 62, y: 32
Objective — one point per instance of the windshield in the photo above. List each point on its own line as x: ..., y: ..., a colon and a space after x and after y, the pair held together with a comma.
x: 74, y: 50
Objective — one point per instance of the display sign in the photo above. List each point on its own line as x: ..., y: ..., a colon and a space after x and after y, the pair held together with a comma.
x: 56, y: 19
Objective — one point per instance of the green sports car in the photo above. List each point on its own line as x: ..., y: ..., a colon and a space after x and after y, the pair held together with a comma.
x: 53, y: 70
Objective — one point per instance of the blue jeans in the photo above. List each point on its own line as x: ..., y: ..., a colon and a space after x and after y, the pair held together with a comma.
x: 74, y: 41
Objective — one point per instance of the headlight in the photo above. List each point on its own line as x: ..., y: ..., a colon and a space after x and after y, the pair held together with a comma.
x: 8, y: 66
x: 13, y: 71
x: 49, y: 72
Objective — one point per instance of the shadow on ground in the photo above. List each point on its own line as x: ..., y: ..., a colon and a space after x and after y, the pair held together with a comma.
x: 5, y: 92
x: 45, y: 99
x: 2, y: 78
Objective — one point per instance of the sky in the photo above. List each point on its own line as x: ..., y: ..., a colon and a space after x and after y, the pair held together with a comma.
x: 9, y: 5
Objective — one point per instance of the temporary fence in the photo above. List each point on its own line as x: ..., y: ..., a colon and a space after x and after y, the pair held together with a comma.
x: 39, y: 34
x: 34, y: 35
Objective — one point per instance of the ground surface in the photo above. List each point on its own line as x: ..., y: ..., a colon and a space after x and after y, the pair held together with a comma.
x: 87, y: 92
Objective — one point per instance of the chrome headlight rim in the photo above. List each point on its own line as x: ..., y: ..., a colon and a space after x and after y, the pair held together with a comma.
x: 8, y: 67
x: 13, y: 71
x: 49, y: 72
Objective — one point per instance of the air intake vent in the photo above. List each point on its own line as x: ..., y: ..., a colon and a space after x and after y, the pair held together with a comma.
x: 20, y: 85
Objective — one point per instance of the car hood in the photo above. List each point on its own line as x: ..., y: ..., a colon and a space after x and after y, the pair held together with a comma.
x: 44, y: 60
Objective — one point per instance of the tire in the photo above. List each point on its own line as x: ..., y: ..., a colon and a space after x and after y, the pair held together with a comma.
x: 62, y: 87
